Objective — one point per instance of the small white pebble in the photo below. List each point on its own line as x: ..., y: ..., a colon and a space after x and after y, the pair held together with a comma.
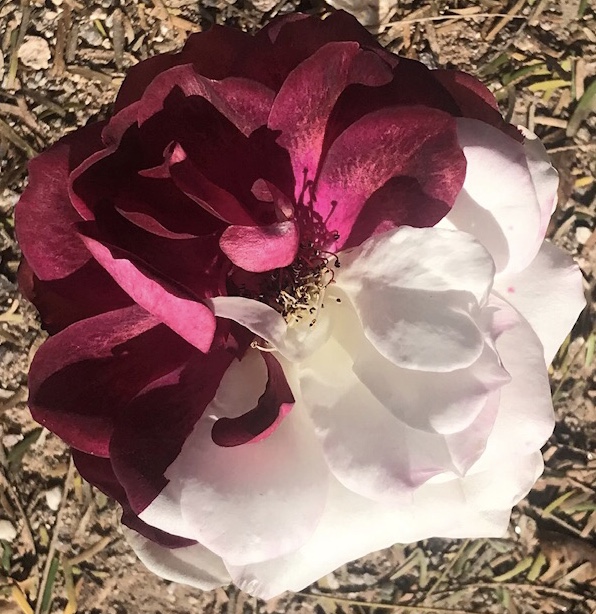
x: 7, y: 531
x: 518, y: 530
x: 35, y: 52
x: 582, y: 234
x: 54, y: 497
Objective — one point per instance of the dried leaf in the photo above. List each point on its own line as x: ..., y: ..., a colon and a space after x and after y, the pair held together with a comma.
x: 46, y: 600
x: 551, y: 507
x: 519, y: 568
x: 536, y: 569
x: 585, y: 106
x: 20, y: 599
x: 16, y: 454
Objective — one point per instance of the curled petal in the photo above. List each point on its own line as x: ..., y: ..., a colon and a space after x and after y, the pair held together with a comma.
x: 294, y: 343
x: 261, y: 248
x: 193, y: 565
x: 209, y: 483
x: 499, y: 203
x: 188, y: 317
x: 81, y: 376
x: 244, y: 102
x: 261, y: 421
x: 45, y: 219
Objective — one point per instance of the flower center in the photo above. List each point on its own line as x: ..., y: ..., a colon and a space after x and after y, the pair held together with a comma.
x: 297, y: 291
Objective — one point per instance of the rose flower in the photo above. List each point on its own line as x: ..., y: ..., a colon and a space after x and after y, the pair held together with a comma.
x: 300, y: 304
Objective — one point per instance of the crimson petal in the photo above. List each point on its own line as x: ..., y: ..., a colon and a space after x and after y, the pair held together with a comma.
x: 45, y: 219
x: 166, y: 412
x: 261, y: 248
x: 261, y: 421
x: 403, y: 142
x: 81, y: 378
x: 243, y: 102
x: 475, y: 100
x: 302, y: 107
x: 83, y: 294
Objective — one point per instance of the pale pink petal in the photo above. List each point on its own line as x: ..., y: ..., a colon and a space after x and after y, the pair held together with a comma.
x: 386, y: 430
x: 548, y: 293
x: 544, y: 176
x: 192, y: 565
x: 525, y: 419
x: 415, y: 291
x: 438, y: 402
x: 368, y: 449
x: 209, y: 484
x: 498, y: 203
x: 261, y: 248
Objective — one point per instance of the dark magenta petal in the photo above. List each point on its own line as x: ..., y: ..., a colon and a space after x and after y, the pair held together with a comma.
x: 260, y: 422
x: 215, y: 147
x: 303, y: 105
x: 83, y: 294
x: 179, y: 259
x: 83, y: 377
x: 185, y: 315
x: 261, y: 248
x: 215, y: 200
x: 415, y: 143
x: 166, y: 412
x: 45, y: 219
x: 214, y: 53
x: 243, y: 102
x: 99, y: 472
x: 475, y: 100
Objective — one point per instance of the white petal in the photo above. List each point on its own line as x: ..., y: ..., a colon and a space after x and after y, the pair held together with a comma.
x: 250, y: 502
x: 526, y: 418
x: 192, y: 565
x: 548, y: 293
x: 420, y: 259
x: 416, y: 291
x: 544, y: 176
x: 368, y: 447
x: 440, y: 402
x: 504, y: 193
x: 294, y: 343
x: 353, y: 526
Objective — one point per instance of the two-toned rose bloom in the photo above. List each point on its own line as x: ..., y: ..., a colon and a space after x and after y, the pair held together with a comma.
x: 300, y: 304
